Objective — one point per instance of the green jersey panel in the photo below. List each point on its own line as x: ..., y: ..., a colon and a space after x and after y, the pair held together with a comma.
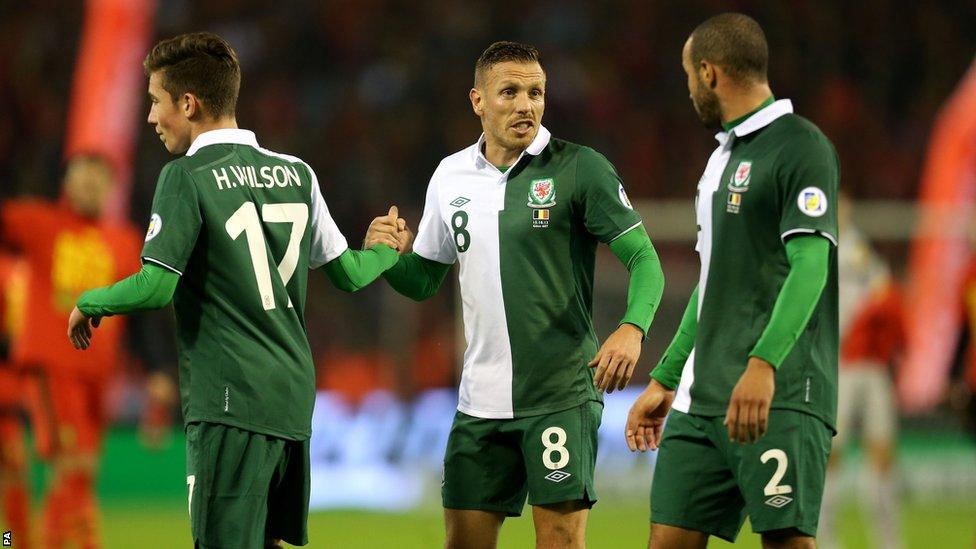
x: 780, y: 178
x: 547, y: 271
x: 242, y: 225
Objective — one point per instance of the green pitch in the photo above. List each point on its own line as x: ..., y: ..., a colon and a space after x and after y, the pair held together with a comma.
x: 152, y: 525
x: 144, y: 505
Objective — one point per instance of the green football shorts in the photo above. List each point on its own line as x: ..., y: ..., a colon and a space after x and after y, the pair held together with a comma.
x: 704, y: 482
x: 244, y: 486
x: 492, y: 464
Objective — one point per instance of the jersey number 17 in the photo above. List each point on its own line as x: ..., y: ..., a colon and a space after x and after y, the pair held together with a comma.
x: 245, y: 220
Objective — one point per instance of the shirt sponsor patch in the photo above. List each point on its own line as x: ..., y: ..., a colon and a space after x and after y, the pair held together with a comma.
x: 812, y: 202
x: 623, y: 197
x: 155, y: 225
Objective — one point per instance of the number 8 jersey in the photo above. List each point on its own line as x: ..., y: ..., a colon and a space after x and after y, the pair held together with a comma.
x: 242, y: 226
x: 526, y: 242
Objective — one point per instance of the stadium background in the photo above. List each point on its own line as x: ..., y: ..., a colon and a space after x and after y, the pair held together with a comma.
x: 372, y: 94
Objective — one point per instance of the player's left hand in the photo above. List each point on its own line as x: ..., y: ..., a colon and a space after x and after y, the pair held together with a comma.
x: 747, y: 417
x: 617, y: 358
x: 80, y: 328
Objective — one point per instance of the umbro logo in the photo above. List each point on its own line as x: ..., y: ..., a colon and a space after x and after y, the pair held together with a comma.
x: 558, y: 476
x: 778, y: 501
x: 459, y: 201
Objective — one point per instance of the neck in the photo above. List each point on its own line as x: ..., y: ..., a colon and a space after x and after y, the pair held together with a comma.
x: 498, y: 155
x: 204, y: 126
x: 736, y: 105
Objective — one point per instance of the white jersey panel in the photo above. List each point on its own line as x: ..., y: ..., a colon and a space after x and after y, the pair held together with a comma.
x: 327, y: 241
x: 434, y: 240
x: 465, y: 196
x: 707, y: 186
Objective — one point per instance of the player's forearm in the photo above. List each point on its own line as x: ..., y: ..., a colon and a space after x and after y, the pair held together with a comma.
x: 150, y: 288
x: 353, y: 270
x: 416, y: 277
x: 668, y: 370
x: 634, y: 249
x: 809, y: 258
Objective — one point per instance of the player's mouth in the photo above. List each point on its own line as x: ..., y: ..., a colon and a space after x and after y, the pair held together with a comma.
x: 523, y: 127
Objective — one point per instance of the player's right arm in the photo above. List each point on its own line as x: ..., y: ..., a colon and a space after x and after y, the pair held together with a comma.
x: 172, y: 234
x: 419, y: 273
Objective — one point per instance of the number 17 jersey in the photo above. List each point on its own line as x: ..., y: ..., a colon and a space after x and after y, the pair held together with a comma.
x: 242, y: 226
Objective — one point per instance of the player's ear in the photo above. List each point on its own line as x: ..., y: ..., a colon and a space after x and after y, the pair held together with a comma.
x: 477, y: 101
x: 191, y: 106
x: 706, y: 71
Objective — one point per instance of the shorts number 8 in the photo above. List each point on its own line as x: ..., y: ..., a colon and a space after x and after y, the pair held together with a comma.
x: 557, y: 447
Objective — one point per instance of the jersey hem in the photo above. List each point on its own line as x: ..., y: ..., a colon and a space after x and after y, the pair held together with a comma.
x: 529, y: 412
x: 260, y: 429
x: 705, y: 411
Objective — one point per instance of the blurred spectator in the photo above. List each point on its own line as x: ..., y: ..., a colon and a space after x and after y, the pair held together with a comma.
x: 872, y: 338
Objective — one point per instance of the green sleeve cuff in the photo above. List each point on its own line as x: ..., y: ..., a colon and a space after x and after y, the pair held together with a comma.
x: 150, y: 288
x: 668, y: 370
x: 353, y: 270
x: 809, y: 257
x: 416, y: 277
x: 635, y: 251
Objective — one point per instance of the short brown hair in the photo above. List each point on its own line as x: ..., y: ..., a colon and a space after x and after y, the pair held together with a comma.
x: 503, y: 51
x: 200, y: 63
x: 735, y: 42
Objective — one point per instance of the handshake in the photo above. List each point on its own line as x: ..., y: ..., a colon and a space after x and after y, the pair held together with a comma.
x: 390, y: 229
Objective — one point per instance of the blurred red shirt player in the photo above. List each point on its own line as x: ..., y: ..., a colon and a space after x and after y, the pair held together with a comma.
x: 69, y: 247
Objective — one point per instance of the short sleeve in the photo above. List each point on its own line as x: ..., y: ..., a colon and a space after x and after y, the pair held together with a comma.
x: 327, y: 242
x: 607, y: 212
x: 434, y: 240
x: 175, y: 221
x: 809, y: 175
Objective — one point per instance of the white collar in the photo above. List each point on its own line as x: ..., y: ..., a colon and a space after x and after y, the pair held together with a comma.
x: 535, y: 148
x: 759, y: 120
x: 226, y: 135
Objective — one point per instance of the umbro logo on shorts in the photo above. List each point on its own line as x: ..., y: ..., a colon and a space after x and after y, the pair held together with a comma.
x: 558, y: 476
x: 459, y: 201
x: 778, y: 501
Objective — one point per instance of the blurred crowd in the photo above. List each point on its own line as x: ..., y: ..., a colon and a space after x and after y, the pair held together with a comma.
x: 373, y: 93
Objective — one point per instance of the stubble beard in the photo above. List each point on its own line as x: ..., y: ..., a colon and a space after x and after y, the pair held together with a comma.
x: 708, y: 108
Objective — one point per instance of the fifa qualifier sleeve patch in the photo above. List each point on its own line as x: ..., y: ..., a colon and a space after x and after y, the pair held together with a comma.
x: 812, y: 202
x: 155, y: 225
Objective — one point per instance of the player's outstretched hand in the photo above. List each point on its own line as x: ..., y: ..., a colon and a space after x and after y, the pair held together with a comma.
x: 748, y: 415
x: 404, y: 236
x: 616, y: 359
x: 645, y: 421
x: 80, y: 329
x: 383, y: 230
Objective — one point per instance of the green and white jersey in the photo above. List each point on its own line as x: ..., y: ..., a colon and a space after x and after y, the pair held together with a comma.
x: 242, y: 226
x: 773, y: 176
x: 526, y: 242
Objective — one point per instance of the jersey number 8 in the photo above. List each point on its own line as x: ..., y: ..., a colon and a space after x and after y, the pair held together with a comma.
x: 462, y: 238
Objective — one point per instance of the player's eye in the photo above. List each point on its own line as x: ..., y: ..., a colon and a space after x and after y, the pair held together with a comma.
x: 508, y: 92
